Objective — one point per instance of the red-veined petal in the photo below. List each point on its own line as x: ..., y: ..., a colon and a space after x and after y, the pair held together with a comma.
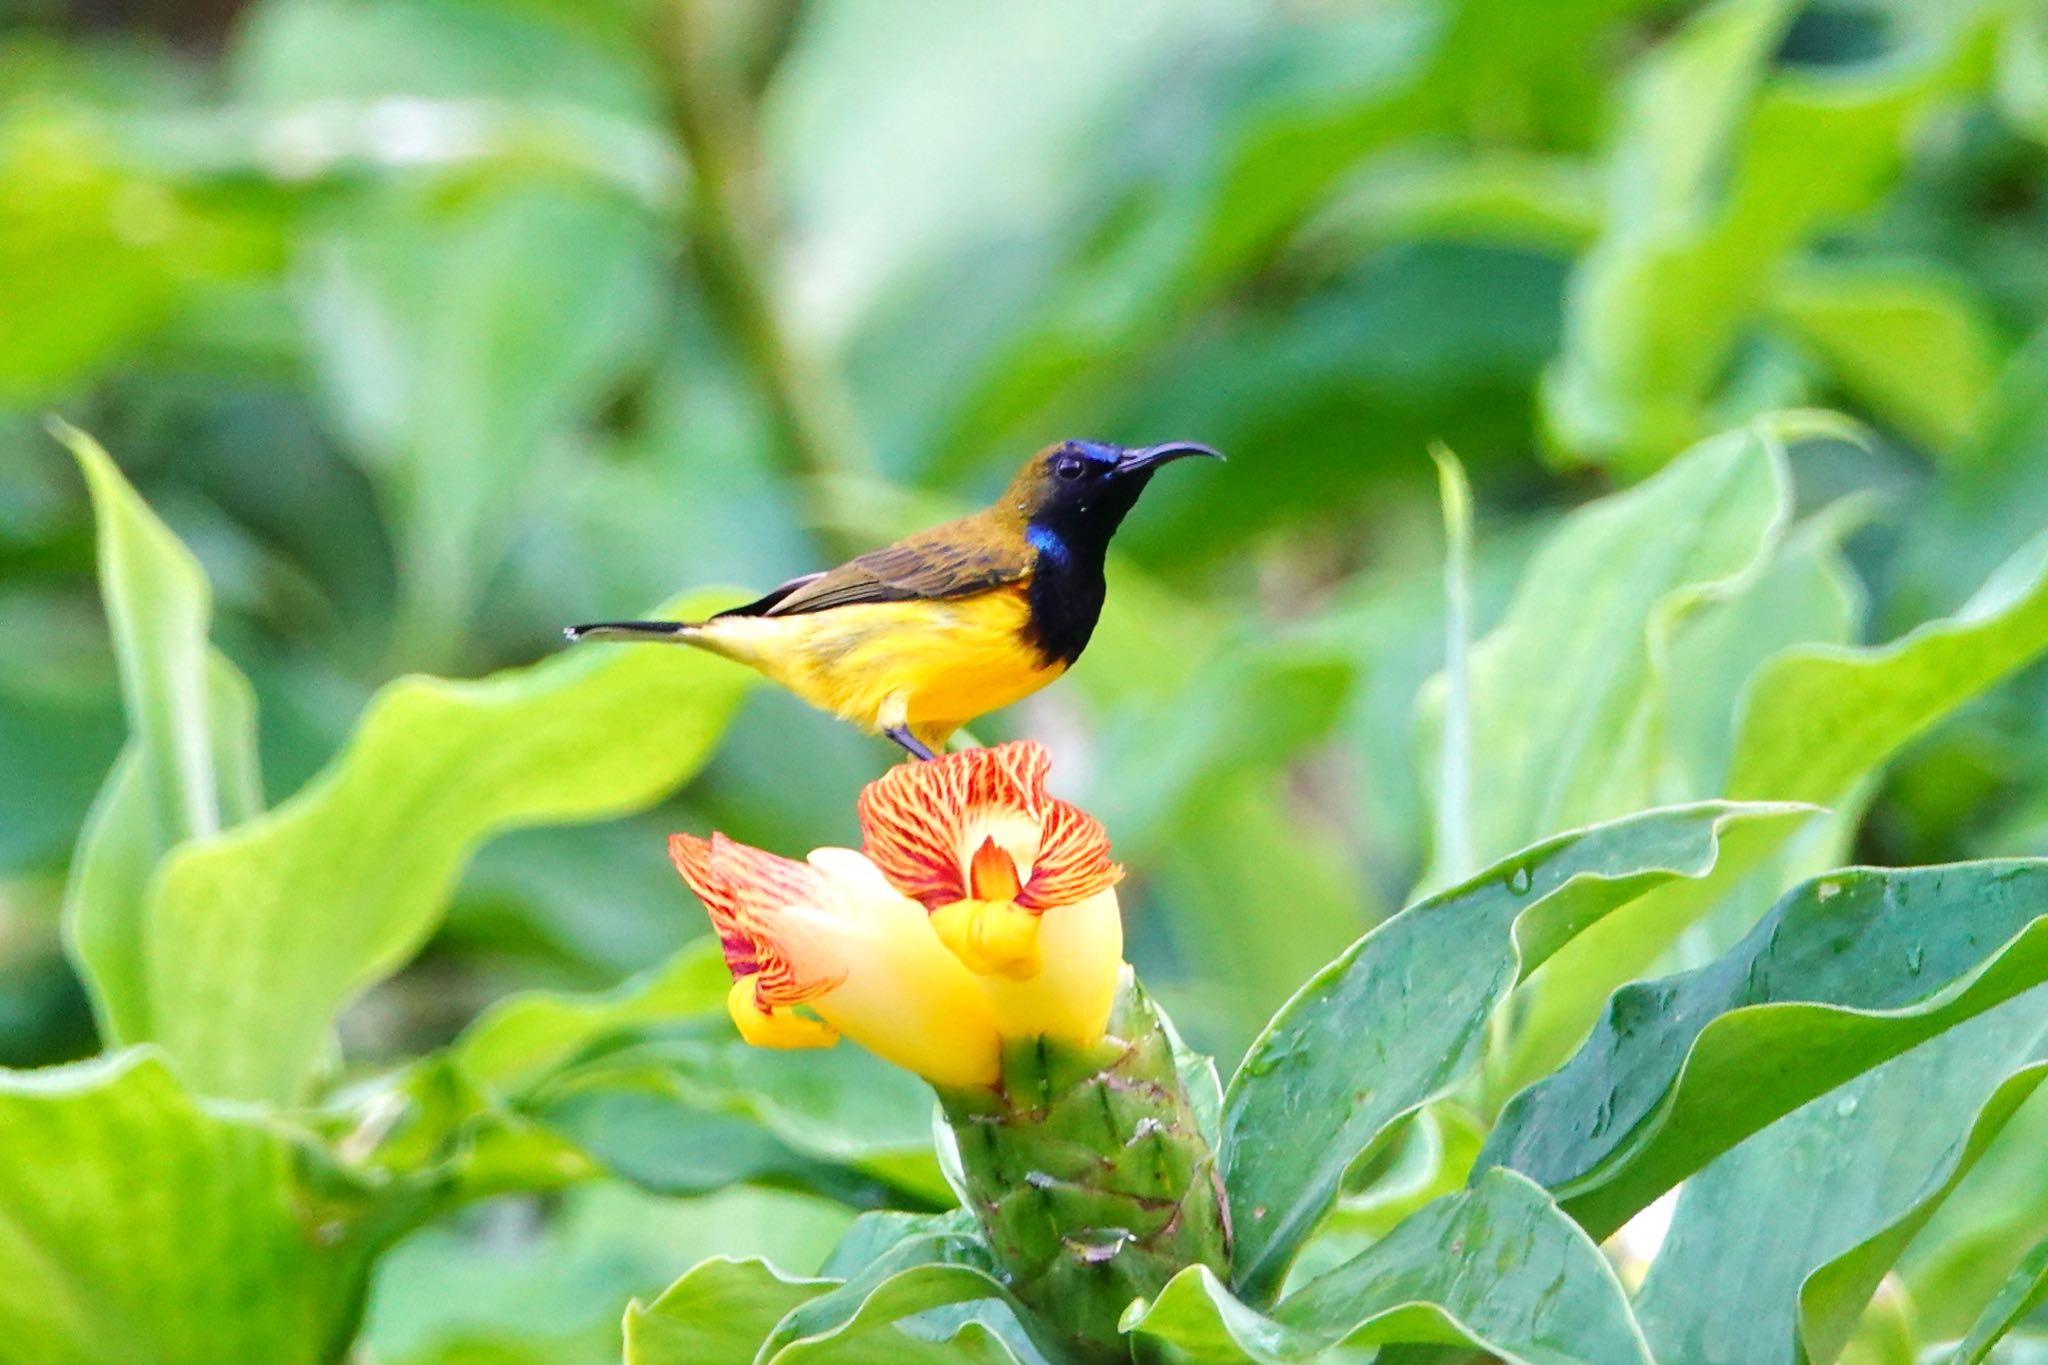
x: 914, y: 819
x: 1073, y: 860
x: 747, y: 892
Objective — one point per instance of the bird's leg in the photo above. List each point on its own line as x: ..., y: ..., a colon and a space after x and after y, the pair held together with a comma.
x: 912, y: 745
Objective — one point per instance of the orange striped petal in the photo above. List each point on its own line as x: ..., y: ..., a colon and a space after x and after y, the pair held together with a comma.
x: 914, y: 819
x: 748, y: 893
x: 927, y: 827
x: 1073, y: 860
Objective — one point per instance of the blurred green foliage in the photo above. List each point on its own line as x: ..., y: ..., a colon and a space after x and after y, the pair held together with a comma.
x: 430, y: 325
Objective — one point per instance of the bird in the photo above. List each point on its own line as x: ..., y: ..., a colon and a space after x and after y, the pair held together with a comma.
x: 918, y: 638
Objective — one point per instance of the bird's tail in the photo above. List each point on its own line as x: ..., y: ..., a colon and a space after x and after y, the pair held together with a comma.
x: 672, y: 632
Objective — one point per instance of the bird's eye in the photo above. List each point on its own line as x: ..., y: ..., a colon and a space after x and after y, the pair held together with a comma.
x: 1069, y: 466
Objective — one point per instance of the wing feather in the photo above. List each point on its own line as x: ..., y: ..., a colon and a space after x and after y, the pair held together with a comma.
x: 958, y: 559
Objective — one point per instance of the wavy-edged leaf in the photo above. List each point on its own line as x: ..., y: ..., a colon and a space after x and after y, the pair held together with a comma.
x: 688, y: 1109
x: 895, y: 1310
x: 1496, y: 1268
x: 189, y: 769
x: 137, y: 1225
x: 256, y: 938
x: 1775, y: 1248
x: 1598, y: 602
x: 1403, y: 1014
x: 1983, y: 1229
x: 717, y: 1314
x: 1846, y: 972
x: 2022, y: 1293
x: 525, y: 1037
x: 901, y: 1317
x: 1817, y: 720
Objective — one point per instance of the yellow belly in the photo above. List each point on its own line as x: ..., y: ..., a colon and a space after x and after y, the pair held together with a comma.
x: 932, y: 666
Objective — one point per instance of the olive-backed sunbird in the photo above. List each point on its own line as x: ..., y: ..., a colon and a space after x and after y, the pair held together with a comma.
x: 918, y: 638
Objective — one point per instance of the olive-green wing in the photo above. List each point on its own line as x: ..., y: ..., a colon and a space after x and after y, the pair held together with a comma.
x: 958, y: 559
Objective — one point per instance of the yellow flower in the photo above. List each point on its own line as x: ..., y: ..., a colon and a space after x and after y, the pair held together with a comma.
x: 827, y: 947
x: 1019, y: 884
x: 979, y: 908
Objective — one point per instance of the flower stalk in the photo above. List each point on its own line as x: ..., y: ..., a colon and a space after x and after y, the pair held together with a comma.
x: 1089, y: 1174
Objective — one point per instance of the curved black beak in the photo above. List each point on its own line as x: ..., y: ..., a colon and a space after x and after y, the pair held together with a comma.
x: 1151, y: 457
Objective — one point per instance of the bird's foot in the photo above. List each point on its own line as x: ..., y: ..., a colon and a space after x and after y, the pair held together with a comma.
x: 912, y: 745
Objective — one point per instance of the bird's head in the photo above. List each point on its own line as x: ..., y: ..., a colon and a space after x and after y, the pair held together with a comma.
x: 1076, y: 493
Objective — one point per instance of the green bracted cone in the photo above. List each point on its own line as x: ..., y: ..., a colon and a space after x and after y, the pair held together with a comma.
x: 1090, y: 1176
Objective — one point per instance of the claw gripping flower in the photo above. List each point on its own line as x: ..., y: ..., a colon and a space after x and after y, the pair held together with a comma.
x: 975, y: 939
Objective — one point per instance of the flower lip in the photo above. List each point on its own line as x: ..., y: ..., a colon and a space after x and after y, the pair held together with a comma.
x: 992, y: 876
x: 937, y: 829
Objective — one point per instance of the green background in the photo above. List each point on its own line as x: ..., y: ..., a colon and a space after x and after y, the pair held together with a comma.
x: 431, y: 326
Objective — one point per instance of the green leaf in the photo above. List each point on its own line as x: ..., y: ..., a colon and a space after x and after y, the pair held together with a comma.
x: 190, y: 766
x: 1846, y: 972
x: 141, y: 1226
x: 2024, y: 1292
x: 742, y: 1311
x: 1820, y: 718
x: 1496, y: 1268
x: 1403, y: 1014
x: 525, y: 1038
x: 1911, y: 345
x: 257, y: 938
x: 1454, y: 776
x: 838, y: 1120
x: 1815, y: 722
x: 887, y: 1315
x: 1599, y: 601
x: 718, y: 1314
x: 1776, y: 1247
x: 1982, y: 1230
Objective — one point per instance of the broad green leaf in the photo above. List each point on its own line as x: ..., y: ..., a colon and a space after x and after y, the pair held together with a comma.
x: 894, y: 1310
x: 718, y: 1314
x: 1496, y: 1268
x: 1804, y: 595
x: 136, y: 1225
x: 742, y: 1311
x: 1776, y: 1247
x: 159, y: 605
x: 1598, y: 604
x: 1815, y: 722
x: 1911, y: 346
x: 1981, y: 1231
x: 2025, y: 1291
x: 1403, y: 1015
x: 190, y: 766
x: 526, y: 1037
x: 791, y: 1115
x: 1819, y: 718
x: 1846, y: 972
x: 462, y: 1292
x: 648, y: 1083
x: 257, y: 938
